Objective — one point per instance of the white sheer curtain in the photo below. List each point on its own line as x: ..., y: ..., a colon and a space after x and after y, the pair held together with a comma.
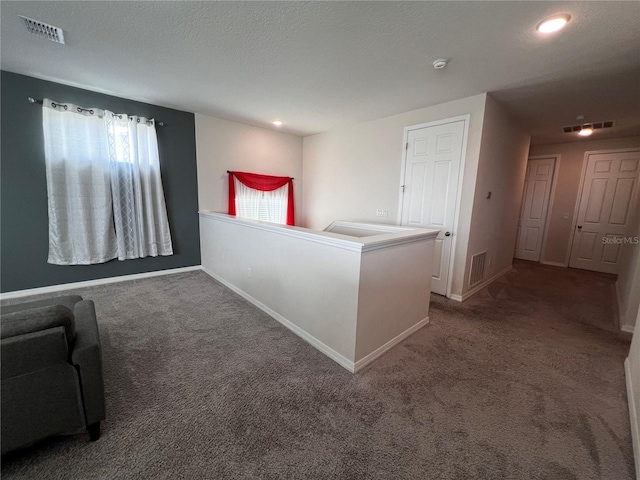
x: 104, y: 187
x: 264, y: 206
x: 81, y: 227
x: 139, y: 210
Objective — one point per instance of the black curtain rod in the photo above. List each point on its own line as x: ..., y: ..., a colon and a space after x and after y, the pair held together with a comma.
x: 35, y: 100
x: 229, y: 171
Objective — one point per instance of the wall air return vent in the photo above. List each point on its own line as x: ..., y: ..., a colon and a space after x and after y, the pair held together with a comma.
x: 477, y: 268
x: 593, y: 125
x: 43, y: 30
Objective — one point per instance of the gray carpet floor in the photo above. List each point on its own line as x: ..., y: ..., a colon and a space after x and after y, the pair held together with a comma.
x: 525, y: 380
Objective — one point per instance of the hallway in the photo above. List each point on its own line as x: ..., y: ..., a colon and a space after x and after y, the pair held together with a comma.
x: 542, y: 370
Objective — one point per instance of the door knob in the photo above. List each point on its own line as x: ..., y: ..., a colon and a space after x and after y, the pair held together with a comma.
x: 579, y: 227
x: 447, y: 234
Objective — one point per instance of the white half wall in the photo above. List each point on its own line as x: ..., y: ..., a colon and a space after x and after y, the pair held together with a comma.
x: 394, y: 295
x: 353, y: 298
x: 222, y: 145
x: 502, y: 166
x: 284, y: 276
x: 350, y: 172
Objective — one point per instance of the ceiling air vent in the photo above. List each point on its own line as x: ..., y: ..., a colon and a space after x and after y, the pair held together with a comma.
x: 43, y: 30
x: 592, y: 125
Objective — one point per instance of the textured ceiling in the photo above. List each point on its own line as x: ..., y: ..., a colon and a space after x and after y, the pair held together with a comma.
x: 319, y: 65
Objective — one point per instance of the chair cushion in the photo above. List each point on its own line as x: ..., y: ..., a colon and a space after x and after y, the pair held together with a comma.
x: 36, y: 319
x: 68, y: 301
x: 39, y: 404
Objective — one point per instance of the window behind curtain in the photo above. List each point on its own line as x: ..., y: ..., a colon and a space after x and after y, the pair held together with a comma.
x: 264, y: 206
x: 261, y: 197
x: 104, y: 188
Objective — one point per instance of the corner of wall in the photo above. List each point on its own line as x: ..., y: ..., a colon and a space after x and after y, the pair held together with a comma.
x: 223, y: 145
x: 463, y: 227
x: 499, y: 180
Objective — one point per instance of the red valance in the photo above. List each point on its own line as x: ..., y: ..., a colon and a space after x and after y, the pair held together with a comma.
x: 264, y: 183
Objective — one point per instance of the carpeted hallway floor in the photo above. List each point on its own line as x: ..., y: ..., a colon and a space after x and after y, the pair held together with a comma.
x: 523, y: 381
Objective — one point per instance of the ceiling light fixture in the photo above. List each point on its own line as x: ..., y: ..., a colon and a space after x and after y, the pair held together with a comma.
x: 440, y: 63
x: 553, y: 24
x: 592, y: 125
x: 277, y: 123
x: 585, y: 131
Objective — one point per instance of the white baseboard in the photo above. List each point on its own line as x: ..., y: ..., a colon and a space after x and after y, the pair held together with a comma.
x: 633, y: 417
x: 554, y: 264
x: 364, y: 361
x: 93, y: 283
x: 477, y: 288
x: 328, y: 351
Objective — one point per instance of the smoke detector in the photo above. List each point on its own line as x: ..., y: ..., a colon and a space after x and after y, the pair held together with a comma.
x: 440, y: 63
x: 43, y: 30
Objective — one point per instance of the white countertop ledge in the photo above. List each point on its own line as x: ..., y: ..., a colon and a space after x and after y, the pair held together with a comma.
x: 388, y: 236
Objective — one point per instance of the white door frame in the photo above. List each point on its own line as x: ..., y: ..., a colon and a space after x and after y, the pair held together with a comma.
x: 552, y: 194
x: 583, y: 174
x: 465, y: 135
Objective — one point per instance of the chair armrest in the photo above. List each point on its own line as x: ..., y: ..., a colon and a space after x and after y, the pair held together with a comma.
x: 87, y: 358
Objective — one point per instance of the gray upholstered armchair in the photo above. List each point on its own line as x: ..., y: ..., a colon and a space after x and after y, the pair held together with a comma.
x: 51, y: 371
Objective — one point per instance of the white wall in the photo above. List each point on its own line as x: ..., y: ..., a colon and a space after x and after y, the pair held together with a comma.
x: 502, y: 166
x: 571, y: 154
x: 222, y: 145
x: 394, y: 295
x: 632, y: 370
x: 350, y: 172
x: 628, y: 283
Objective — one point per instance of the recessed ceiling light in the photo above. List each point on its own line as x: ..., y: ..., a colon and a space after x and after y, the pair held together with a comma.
x: 277, y: 123
x: 553, y: 24
x: 585, y: 131
x: 440, y: 63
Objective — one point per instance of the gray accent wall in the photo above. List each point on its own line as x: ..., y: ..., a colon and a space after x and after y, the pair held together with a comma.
x: 24, y: 234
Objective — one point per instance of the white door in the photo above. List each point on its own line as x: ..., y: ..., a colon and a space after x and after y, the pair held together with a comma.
x: 432, y: 169
x: 607, y: 205
x: 535, y: 206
